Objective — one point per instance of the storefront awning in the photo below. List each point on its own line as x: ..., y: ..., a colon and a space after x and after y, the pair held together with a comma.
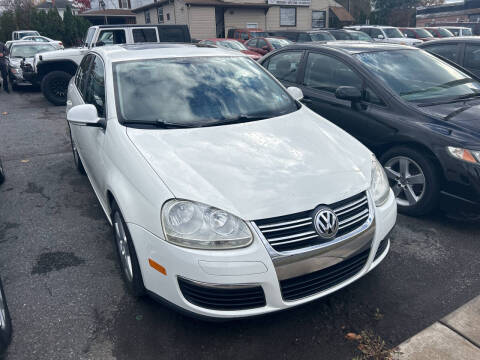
x: 342, y: 14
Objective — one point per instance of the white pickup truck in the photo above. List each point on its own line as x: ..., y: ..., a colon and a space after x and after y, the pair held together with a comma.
x: 53, y: 70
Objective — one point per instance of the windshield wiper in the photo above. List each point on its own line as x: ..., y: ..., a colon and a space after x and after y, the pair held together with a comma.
x: 448, y: 101
x: 239, y: 119
x: 159, y: 124
x: 441, y: 86
x: 467, y: 96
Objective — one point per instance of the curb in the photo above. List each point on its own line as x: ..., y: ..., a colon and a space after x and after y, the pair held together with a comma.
x: 455, y: 337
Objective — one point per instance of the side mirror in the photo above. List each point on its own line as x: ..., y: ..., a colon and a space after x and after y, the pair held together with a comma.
x: 85, y: 115
x: 99, y: 43
x: 296, y: 93
x: 381, y: 37
x: 349, y: 93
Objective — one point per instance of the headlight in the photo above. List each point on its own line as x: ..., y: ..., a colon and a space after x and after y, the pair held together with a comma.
x: 470, y: 156
x: 194, y: 225
x: 380, y: 187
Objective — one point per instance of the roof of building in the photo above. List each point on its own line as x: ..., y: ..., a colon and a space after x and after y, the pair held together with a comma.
x: 161, y: 50
x: 219, y: 3
x: 108, y: 12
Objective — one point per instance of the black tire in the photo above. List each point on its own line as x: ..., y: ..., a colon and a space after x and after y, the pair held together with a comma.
x: 134, y: 281
x: 54, y: 87
x: 2, y: 173
x: 15, y: 87
x: 76, y: 158
x: 6, y: 328
x: 428, y: 197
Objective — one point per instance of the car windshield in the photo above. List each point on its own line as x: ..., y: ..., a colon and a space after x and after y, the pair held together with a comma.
x: 278, y: 43
x: 444, y: 32
x: 200, y: 91
x: 231, y: 44
x: 433, y: 80
x: 359, y: 35
x: 322, y: 36
x: 30, y: 33
x: 258, y: 34
x: 26, y: 51
x: 423, y: 33
x: 393, y: 33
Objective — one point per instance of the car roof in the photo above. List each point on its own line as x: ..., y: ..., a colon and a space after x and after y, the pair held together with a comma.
x: 469, y: 39
x: 26, y: 42
x: 350, y: 47
x: 161, y: 50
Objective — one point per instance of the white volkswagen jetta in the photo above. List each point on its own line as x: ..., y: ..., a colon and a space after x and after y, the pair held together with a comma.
x: 227, y: 196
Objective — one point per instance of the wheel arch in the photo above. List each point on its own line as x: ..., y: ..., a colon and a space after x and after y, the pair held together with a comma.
x: 67, y: 66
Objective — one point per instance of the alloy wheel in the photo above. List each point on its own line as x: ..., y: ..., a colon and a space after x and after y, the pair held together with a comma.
x: 407, y: 180
x: 122, y: 245
x: 59, y: 87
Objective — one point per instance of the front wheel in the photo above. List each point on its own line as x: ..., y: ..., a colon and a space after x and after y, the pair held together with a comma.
x: 55, y: 86
x: 76, y: 156
x: 413, y: 178
x: 127, y: 256
x: 5, y: 323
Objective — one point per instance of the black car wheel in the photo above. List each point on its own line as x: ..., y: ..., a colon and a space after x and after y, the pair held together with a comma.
x: 76, y: 157
x: 126, y: 254
x: 55, y: 86
x: 5, y: 323
x: 413, y: 178
x: 2, y: 173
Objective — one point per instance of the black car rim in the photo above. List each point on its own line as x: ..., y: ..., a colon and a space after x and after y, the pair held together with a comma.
x: 406, y: 179
x: 59, y: 87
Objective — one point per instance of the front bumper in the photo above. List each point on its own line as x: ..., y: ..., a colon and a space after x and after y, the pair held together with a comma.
x: 248, y: 269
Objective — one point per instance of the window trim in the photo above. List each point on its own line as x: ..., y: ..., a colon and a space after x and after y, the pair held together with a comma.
x: 280, y: 15
x: 95, y: 55
x: 80, y: 92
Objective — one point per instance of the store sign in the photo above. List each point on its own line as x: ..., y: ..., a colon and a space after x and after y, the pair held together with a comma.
x: 290, y: 2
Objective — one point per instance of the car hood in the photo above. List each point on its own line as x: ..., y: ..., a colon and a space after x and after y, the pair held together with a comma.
x: 259, y: 169
x: 16, y: 62
x: 464, y: 114
x: 64, y: 54
x: 404, y: 41
x: 251, y: 53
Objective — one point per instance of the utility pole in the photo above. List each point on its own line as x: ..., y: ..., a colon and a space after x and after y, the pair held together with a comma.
x: 103, y: 5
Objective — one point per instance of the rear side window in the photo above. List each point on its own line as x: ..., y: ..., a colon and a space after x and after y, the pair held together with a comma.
x: 326, y: 73
x: 144, y: 35
x: 302, y: 37
x: 448, y: 51
x: 409, y: 33
x: 82, y: 74
x: 374, y: 33
x: 284, y: 66
x: 111, y: 37
x: 472, y: 56
x: 172, y: 34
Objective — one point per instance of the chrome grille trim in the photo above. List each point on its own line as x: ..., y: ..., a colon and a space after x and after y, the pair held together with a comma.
x: 294, y: 233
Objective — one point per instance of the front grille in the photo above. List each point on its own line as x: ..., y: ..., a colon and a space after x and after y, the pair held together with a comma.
x: 310, y: 284
x: 297, y: 231
x: 381, y: 248
x: 222, y: 298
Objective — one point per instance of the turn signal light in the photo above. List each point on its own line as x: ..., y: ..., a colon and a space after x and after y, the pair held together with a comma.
x: 157, y: 266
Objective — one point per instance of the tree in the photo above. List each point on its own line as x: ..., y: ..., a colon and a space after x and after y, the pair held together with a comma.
x: 397, y: 12
x: 70, y: 29
x: 54, y: 27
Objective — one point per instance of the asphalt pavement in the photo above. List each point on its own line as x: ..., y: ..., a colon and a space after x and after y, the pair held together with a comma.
x: 67, y: 299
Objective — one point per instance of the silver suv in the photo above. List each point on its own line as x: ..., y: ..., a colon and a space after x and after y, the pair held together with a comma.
x: 387, y: 34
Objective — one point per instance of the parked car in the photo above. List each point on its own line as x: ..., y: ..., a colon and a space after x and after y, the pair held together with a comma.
x: 417, y: 33
x: 223, y: 204
x: 243, y: 35
x: 18, y: 35
x: 465, y: 51
x: 344, y: 34
x: 5, y: 323
x: 439, y: 32
x: 23, y: 51
x: 232, y: 45
x: 422, y: 124
x: 459, y: 31
x: 54, y: 70
x: 303, y: 35
x: 264, y: 45
x: 388, y: 34
x: 43, y: 39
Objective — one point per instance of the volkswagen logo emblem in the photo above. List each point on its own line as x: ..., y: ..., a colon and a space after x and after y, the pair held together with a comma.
x: 326, y: 223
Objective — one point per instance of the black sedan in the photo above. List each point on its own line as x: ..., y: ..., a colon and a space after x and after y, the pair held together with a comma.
x: 464, y: 51
x: 415, y: 111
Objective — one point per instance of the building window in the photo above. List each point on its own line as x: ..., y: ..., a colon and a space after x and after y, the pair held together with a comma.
x: 318, y: 19
x: 168, y: 17
x: 160, y: 15
x: 252, y: 25
x: 123, y: 4
x: 147, y: 16
x: 288, y: 16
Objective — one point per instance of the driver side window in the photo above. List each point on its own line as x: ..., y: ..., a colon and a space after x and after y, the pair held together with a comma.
x: 95, y: 86
x: 284, y: 66
x: 80, y: 78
